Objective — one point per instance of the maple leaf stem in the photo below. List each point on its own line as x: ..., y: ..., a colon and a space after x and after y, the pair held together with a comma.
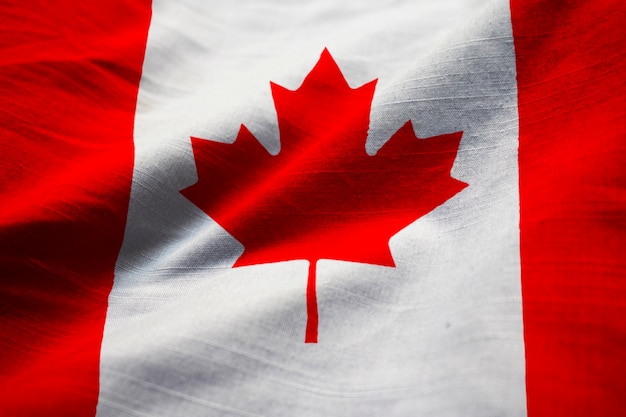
x: 311, y: 305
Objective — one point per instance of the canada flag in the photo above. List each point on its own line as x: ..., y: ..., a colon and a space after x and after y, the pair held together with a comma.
x: 313, y: 208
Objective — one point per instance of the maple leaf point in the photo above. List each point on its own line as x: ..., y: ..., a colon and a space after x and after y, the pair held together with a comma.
x: 322, y: 196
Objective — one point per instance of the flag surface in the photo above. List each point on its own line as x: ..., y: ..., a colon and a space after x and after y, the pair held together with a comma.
x: 124, y: 292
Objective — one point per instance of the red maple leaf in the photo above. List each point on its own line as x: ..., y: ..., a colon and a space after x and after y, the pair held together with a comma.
x: 322, y: 196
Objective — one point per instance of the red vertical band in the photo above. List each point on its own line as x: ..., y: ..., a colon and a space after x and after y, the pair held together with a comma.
x: 571, y: 71
x: 69, y: 76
